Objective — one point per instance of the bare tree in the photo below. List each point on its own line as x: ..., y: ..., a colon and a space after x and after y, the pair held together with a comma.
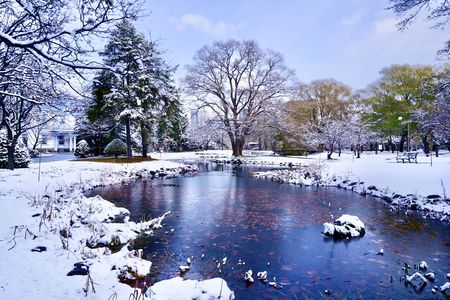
x: 237, y: 81
x: 42, y: 44
x: 438, y: 13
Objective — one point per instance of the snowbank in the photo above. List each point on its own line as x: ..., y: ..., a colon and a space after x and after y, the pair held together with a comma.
x: 55, y: 243
x: 215, y: 288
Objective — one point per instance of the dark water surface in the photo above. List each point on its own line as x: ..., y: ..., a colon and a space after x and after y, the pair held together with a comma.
x: 222, y: 212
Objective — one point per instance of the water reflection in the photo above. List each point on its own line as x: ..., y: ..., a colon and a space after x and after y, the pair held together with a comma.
x: 222, y: 212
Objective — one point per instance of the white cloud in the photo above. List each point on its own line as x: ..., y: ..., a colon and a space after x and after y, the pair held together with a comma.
x: 352, y: 19
x: 383, y: 44
x: 205, y: 25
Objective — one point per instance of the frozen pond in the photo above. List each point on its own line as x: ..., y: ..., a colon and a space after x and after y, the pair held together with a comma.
x: 222, y: 212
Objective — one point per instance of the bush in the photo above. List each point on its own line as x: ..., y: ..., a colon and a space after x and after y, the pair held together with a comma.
x: 33, y: 153
x: 21, y: 156
x: 116, y: 147
x: 82, y: 150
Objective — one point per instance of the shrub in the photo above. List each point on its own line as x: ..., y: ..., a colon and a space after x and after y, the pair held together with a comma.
x: 21, y: 156
x: 116, y: 147
x: 82, y: 150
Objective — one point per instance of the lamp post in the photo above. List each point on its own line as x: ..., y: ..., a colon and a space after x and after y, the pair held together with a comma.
x: 407, y: 132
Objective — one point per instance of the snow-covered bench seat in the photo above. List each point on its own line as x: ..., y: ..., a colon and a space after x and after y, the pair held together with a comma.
x: 407, y: 156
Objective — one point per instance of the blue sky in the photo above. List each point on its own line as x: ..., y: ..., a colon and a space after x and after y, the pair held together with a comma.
x: 348, y: 40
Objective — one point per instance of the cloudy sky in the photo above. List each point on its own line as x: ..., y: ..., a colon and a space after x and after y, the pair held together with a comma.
x: 348, y: 40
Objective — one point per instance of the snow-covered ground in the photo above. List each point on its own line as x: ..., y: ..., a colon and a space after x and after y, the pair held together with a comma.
x: 47, y: 225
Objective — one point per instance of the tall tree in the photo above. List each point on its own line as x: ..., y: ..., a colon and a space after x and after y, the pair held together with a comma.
x: 140, y: 89
x: 237, y: 81
x: 395, y: 96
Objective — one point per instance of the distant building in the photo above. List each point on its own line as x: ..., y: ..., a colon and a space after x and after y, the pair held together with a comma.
x: 198, y: 118
x: 55, y: 136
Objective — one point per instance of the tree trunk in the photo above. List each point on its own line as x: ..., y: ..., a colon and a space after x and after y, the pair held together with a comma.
x: 400, y: 145
x: 128, y: 133
x: 329, y: 155
x: 237, y: 146
x: 330, y: 152
x: 10, y: 148
x: 426, y: 145
x: 358, y: 151
x: 144, y: 138
x: 339, y: 150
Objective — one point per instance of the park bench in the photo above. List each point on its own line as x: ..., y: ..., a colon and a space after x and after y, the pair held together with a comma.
x: 407, y: 156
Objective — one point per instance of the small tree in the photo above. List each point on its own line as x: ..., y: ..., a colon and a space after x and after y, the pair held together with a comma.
x: 82, y: 149
x: 116, y: 147
x: 21, y: 155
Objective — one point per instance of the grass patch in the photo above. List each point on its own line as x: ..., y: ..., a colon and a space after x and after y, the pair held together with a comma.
x: 120, y: 160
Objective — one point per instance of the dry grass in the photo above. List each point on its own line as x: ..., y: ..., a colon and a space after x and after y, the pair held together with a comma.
x: 120, y: 160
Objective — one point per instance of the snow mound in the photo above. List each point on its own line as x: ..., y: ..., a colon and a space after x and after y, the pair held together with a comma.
x: 177, y: 288
x: 347, y: 226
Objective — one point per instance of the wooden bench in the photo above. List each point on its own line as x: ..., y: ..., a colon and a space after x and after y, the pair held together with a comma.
x: 407, y: 156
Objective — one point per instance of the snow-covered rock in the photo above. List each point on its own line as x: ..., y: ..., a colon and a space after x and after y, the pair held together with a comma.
x: 177, y: 288
x: 184, y: 268
x: 423, y: 265
x: 416, y: 279
x: 262, y: 275
x: 248, y: 276
x: 429, y: 276
x: 445, y: 287
x: 346, y: 226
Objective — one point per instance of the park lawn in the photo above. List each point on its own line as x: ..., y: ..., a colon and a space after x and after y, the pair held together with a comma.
x: 120, y: 160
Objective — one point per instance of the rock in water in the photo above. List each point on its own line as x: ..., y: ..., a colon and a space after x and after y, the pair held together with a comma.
x: 262, y: 275
x: 430, y: 276
x: 347, y: 226
x: 184, y: 269
x: 248, y: 276
x: 423, y: 265
x: 445, y: 287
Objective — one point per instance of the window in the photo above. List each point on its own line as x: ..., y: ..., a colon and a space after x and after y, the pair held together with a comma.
x: 61, y: 140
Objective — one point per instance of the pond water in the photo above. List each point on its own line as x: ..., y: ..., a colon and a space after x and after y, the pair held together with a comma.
x: 223, y: 212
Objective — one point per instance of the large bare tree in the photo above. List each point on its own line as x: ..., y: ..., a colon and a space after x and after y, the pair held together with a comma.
x: 237, y: 81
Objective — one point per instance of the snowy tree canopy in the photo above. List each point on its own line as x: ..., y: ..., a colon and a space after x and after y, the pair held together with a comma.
x: 319, y: 115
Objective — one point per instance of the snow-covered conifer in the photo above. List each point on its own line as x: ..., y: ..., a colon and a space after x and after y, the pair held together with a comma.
x: 116, y: 148
x: 21, y: 155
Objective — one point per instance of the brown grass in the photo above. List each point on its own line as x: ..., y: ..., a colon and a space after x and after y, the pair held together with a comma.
x: 120, y: 160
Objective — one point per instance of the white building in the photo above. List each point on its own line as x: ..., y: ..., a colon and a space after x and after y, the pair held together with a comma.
x: 55, y: 136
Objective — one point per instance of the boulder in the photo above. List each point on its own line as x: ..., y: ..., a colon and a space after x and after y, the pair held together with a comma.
x: 347, y: 226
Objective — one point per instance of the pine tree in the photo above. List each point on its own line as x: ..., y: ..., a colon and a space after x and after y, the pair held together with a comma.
x: 139, y: 90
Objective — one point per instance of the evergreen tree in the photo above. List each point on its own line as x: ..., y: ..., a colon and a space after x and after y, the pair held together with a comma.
x: 139, y: 90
